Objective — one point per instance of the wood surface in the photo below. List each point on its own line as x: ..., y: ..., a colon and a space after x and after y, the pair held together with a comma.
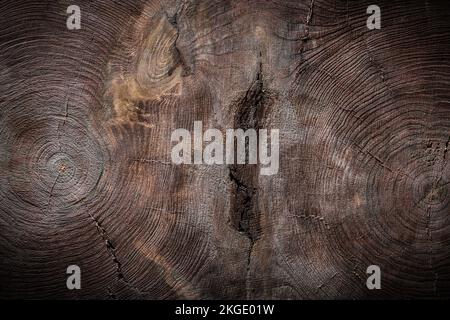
x: 86, y: 176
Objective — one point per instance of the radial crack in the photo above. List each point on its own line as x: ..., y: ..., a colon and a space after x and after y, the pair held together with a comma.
x: 112, y: 252
x: 109, y: 246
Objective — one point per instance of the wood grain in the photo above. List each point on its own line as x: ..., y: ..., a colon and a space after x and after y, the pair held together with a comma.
x: 86, y: 176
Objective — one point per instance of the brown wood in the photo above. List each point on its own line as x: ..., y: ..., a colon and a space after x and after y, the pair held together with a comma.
x: 86, y: 176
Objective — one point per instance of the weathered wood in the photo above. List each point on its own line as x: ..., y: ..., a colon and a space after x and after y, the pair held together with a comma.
x: 86, y: 176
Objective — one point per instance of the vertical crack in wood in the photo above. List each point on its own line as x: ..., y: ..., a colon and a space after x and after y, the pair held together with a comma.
x: 186, y: 69
x: 245, y: 214
x: 446, y: 148
x: 310, y: 13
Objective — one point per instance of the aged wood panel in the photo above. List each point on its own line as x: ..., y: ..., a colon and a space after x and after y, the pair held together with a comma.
x: 86, y: 176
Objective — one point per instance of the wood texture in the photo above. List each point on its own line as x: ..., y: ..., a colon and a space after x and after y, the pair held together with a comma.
x: 85, y: 172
